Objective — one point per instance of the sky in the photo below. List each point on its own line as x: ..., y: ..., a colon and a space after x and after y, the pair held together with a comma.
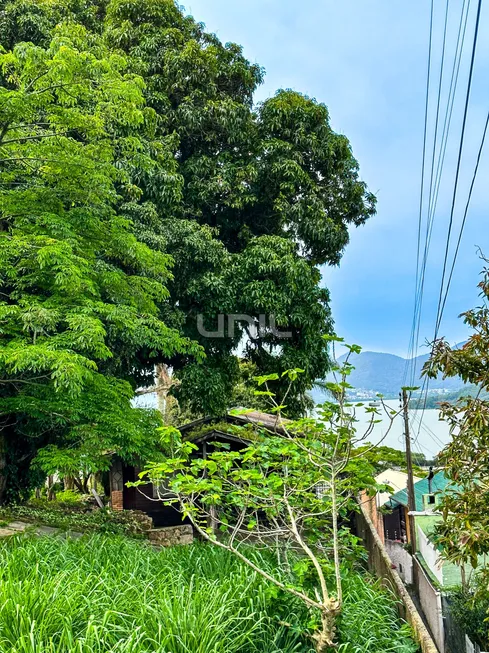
x: 367, y: 61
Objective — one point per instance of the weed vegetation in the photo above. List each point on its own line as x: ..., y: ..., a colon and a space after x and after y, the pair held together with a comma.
x: 104, y: 594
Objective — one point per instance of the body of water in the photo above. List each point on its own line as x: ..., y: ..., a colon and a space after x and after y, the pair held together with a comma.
x: 428, y: 433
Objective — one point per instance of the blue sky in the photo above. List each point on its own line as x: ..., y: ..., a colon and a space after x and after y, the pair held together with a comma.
x: 366, y: 60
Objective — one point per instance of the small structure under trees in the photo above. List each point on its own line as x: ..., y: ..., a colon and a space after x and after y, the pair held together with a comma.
x: 207, y: 435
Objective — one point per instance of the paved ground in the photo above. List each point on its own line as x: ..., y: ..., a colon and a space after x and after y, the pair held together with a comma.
x: 16, y: 527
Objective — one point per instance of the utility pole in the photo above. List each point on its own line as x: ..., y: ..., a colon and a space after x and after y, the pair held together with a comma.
x: 409, y: 462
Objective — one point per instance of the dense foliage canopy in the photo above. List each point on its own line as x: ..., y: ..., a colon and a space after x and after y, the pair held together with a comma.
x: 80, y: 292
x: 131, y: 146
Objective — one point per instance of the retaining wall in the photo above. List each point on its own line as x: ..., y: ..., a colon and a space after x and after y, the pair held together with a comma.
x: 382, y: 566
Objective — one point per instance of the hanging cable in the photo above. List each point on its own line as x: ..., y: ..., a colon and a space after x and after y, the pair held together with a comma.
x: 457, y: 174
x: 429, y: 220
x: 474, y: 177
x: 434, y: 189
x: 442, y: 298
x: 443, y: 148
x: 421, y: 194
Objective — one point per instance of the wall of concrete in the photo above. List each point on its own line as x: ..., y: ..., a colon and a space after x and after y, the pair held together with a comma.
x: 382, y: 566
x: 430, y: 555
x: 430, y: 600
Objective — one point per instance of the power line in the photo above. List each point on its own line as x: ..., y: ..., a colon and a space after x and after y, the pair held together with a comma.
x: 421, y: 194
x: 435, y: 178
x: 451, y: 99
x: 442, y: 298
x: 476, y: 169
x: 443, y: 146
x: 457, y: 174
x: 434, y: 189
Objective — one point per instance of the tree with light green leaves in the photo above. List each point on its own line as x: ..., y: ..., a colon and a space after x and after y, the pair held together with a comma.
x: 291, y: 487
x: 80, y: 294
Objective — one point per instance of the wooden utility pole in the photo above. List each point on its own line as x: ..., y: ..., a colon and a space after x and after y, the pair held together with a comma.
x: 409, y: 463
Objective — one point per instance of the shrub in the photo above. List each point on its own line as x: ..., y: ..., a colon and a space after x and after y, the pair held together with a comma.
x: 470, y: 610
x: 75, y: 518
x: 70, y: 498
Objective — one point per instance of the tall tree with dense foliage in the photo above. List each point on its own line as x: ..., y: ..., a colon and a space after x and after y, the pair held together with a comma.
x: 464, y: 534
x: 80, y: 298
x: 252, y: 200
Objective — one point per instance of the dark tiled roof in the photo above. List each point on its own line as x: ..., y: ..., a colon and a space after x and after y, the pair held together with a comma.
x: 270, y: 422
x: 267, y: 420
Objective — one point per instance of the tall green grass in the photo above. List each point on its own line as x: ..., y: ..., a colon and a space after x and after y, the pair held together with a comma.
x: 108, y: 594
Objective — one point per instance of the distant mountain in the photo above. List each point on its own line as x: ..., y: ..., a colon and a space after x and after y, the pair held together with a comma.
x: 377, y: 372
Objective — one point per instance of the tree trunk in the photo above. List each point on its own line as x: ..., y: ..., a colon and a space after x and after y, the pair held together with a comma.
x: 51, y: 493
x: 324, y: 639
x: 3, y: 468
x: 464, y: 576
x: 69, y: 483
x: 164, y: 383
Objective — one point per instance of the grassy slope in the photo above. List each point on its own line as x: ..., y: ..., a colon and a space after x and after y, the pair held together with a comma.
x: 109, y: 594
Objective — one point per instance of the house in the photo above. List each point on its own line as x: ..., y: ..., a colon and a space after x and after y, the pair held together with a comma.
x: 205, y: 434
x: 387, y: 524
x: 427, y: 496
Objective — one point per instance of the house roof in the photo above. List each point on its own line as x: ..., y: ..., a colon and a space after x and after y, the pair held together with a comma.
x: 267, y: 420
x: 439, y: 483
x: 396, y: 479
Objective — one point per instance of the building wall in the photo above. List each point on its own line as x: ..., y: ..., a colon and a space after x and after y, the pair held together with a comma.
x: 381, y: 565
x: 430, y: 555
x: 116, y: 481
x: 431, y: 604
x: 141, y: 498
x: 369, y: 504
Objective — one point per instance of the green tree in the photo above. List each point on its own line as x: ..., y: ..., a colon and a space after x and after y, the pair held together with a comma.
x: 383, y: 457
x: 258, y: 198
x: 80, y: 299
x: 464, y: 534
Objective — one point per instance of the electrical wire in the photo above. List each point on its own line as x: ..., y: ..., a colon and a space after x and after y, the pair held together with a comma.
x: 442, y: 153
x: 421, y: 194
x: 434, y: 189
x: 459, y: 160
x: 442, y: 298
x: 474, y: 177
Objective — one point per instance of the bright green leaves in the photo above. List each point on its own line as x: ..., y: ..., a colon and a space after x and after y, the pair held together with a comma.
x: 288, y: 487
x: 82, y: 295
x: 127, y: 141
x: 260, y: 380
x: 68, y: 371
